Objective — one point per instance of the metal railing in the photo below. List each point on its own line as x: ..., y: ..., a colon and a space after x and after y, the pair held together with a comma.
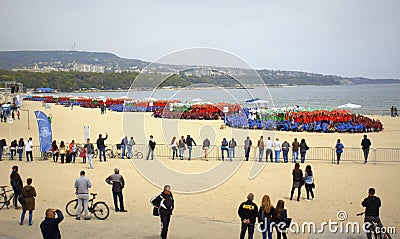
x: 327, y: 154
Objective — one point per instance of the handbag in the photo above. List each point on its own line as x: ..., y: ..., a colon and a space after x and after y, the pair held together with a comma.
x: 155, y: 212
x: 313, y: 185
x: 288, y: 222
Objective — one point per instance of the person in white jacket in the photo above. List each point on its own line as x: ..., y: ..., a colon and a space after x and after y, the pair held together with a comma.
x: 277, y: 148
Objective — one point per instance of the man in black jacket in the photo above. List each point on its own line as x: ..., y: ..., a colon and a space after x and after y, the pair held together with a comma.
x: 17, y: 185
x: 101, y: 146
x: 365, y: 143
x: 372, y: 205
x: 49, y: 226
x: 189, y: 143
x: 248, y: 212
x: 152, y: 146
x: 165, y: 204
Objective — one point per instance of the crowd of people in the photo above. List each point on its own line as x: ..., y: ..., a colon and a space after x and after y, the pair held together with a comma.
x: 339, y: 121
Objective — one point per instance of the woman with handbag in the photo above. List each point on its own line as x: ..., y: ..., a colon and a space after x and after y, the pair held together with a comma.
x: 298, y: 181
x: 309, y: 182
x: 28, y: 197
x: 282, y: 222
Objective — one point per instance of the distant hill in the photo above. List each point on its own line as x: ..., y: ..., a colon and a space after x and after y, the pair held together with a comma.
x: 27, y: 59
x: 102, y: 62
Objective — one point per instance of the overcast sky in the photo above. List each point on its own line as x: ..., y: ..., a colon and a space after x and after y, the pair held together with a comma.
x: 342, y: 37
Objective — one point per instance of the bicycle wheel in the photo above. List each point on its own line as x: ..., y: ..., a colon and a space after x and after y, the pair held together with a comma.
x: 71, y: 208
x: 2, y: 201
x: 139, y: 155
x: 109, y: 153
x: 100, y: 210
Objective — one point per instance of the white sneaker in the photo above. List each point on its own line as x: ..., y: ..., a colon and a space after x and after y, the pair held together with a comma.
x: 307, y: 199
x: 313, y: 199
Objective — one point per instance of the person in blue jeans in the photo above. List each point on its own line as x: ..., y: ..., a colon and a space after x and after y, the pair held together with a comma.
x: 285, y: 151
x: 101, y: 146
x: 124, y: 143
x: 266, y: 216
x: 339, y: 150
x: 189, y: 143
x: 28, y: 195
x: 303, y: 150
x: 295, y: 150
x: 224, y: 147
x: 277, y: 148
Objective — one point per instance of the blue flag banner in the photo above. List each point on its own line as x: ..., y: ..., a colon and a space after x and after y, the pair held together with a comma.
x: 45, y: 135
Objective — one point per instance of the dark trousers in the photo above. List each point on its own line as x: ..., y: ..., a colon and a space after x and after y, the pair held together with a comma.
x: 309, y: 190
x: 165, y: 219
x: 250, y: 230
x: 28, y: 154
x: 62, y: 157
x: 298, y: 193
x: 13, y: 153
x: 102, y: 151
x: 366, y: 152
x: 338, y: 157
x: 280, y: 234
x: 1, y: 152
x: 222, y: 152
x: 268, y: 153
x: 370, y: 229
x: 55, y: 157
x: 247, y: 153
x: 16, y: 195
x: 121, y: 201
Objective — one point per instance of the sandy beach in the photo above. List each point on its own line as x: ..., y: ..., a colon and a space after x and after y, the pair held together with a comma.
x: 209, y: 214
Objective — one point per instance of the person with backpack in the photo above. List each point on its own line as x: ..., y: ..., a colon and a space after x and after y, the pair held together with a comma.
x: 163, y: 206
x: 339, y: 150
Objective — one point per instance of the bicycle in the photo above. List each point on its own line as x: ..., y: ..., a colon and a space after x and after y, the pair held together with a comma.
x: 99, y: 209
x: 376, y: 229
x: 4, y: 200
x: 138, y: 154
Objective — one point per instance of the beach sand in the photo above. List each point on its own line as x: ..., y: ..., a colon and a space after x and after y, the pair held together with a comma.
x: 208, y: 214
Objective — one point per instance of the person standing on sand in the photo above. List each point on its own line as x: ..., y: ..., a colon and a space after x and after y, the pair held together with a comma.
x: 28, y: 149
x: 49, y: 226
x: 303, y: 150
x: 231, y: 150
x: 82, y: 185
x: 20, y: 150
x: 281, y: 219
x: 224, y: 147
x: 16, y: 184
x: 268, y: 146
x: 248, y: 212
x: 2, y: 145
x: 189, y: 143
x: 266, y: 215
x: 339, y: 150
x: 165, y: 204
x: 118, y: 183
x: 309, y: 182
x: 101, y: 146
x: 63, y: 151
x: 28, y: 195
x: 174, y: 147
x: 181, y: 147
x: 54, y: 150
x: 261, y: 147
x: 131, y: 142
x: 152, y: 146
x: 277, y: 149
x: 285, y: 151
x: 366, y: 144
x: 206, y: 147
x: 247, y: 146
x: 89, y: 152
x: 124, y: 144
x: 298, y: 181
x: 295, y: 146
